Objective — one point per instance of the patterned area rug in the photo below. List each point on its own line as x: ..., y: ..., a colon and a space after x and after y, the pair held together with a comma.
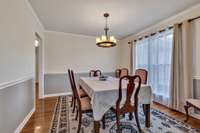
x: 64, y: 122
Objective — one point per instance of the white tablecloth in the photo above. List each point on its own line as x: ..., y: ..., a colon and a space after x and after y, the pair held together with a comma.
x: 104, y: 94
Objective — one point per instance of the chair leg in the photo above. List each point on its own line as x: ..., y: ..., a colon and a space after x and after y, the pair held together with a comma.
x: 130, y: 116
x: 143, y: 107
x: 74, y: 106
x: 137, y: 121
x: 124, y: 115
x: 79, y: 122
x: 104, y: 122
x: 96, y: 127
x: 118, y: 122
x: 76, y: 114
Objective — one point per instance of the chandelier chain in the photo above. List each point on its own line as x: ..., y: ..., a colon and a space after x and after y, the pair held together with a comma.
x: 106, y: 26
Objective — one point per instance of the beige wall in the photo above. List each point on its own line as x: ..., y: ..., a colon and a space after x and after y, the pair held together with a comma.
x: 18, y: 25
x: 124, y: 54
x: 189, y: 13
x: 78, y: 52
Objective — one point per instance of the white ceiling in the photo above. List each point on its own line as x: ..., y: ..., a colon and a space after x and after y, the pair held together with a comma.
x: 85, y: 16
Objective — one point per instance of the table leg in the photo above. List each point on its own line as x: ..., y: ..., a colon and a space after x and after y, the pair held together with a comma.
x: 147, y: 110
x: 187, y: 106
x: 96, y: 126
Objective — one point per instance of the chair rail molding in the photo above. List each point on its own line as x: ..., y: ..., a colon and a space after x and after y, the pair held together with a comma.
x: 15, y: 82
x: 196, y: 77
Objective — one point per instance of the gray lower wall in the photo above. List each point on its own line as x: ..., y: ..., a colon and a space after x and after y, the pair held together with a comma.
x: 59, y: 83
x: 196, y: 83
x: 15, y: 103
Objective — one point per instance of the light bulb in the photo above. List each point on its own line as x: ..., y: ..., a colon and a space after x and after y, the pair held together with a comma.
x: 103, y: 38
x: 98, y: 40
x: 112, y: 39
x: 36, y: 43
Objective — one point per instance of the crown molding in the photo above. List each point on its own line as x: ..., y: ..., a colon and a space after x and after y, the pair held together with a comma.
x: 34, y: 14
x: 162, y: 23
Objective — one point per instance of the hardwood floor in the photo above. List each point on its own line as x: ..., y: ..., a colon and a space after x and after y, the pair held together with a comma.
x: 41, y: 120
x: 177, y: 115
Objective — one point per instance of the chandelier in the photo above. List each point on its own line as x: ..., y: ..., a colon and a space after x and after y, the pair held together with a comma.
x: 105, y: 40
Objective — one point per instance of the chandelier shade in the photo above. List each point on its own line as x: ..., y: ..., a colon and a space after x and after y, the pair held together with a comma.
x: 105, y: 40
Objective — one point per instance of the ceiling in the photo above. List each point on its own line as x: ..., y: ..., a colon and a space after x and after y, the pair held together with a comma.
x: 86, y: 16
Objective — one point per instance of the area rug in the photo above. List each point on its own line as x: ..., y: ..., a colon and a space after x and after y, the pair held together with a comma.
x: 64, y: 121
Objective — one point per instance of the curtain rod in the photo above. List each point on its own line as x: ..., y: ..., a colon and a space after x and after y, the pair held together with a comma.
x: 162, y: 30
x: 192, y: 19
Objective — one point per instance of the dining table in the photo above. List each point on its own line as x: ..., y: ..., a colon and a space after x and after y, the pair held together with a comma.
x: 104, y: 95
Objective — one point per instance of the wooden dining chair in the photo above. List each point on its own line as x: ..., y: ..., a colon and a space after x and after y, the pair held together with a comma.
x: 81, y: 92
x: 94, y: 73
x: 143, y: 75
x: 83, y: 104
x: 129, y: 106
x: 123, y: 72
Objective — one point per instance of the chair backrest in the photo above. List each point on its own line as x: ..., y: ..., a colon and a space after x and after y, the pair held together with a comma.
x: 117, y: 73
x: 74, y: 88
x: 143, y: 75
x: 71, y: 84
x: 132, y: 86
x: 95, y: 73
x: 123, y: 72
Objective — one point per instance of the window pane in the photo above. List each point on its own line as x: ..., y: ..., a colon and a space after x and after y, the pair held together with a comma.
x: 154, y: 55
x: 142, y: 54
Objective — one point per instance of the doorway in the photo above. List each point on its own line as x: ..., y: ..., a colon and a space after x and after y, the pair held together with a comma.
x: 39, y: 72
x: 37, y: 67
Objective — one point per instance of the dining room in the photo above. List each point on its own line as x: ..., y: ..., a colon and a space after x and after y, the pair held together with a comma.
x: 100, y: 67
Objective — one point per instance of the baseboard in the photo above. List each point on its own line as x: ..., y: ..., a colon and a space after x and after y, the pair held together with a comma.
x: 23, y: 123
x: 197, y: 116
x: 57, y: 94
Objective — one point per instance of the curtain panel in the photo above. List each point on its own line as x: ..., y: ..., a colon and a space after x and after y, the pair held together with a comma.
x: 181, y: 72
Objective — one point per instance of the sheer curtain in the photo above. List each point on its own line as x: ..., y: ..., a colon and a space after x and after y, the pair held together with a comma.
x: 154, y: 54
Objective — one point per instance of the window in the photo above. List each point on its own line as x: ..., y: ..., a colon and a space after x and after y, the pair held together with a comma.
x: 154, y: 55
